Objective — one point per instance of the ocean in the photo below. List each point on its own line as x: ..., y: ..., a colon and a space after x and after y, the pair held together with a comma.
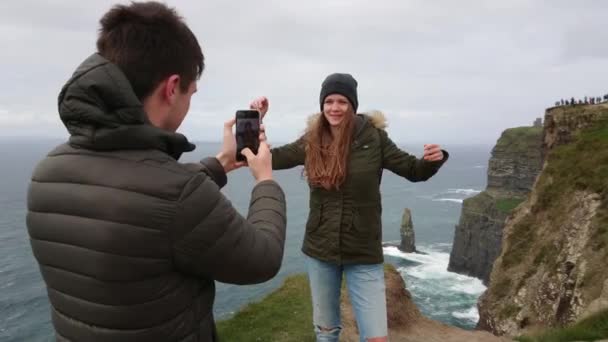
x: 447, y: 297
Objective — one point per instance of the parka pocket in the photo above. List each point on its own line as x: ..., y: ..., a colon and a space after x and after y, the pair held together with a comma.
x: 366, y: 222
x: 314, y: 220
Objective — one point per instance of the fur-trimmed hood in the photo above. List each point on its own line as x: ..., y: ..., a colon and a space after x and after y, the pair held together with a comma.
x: 374, y: 117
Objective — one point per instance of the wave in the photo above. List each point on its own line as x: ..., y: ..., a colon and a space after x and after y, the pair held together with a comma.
x: 455, y: 200
x: 468, y: 287
x: 416, y: 257
x: 467, y: 192
x: 450, y: 194
x: 471, y: 314
x: 431, y: 269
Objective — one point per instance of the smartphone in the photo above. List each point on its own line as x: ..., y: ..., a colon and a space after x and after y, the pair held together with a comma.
x: 247, y: 132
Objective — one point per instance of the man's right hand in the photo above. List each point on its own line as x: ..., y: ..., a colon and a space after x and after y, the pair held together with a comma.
x: 227, y: 156
x: 260, y: 164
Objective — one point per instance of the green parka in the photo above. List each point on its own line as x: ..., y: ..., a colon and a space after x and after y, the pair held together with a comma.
x: 344, y: 226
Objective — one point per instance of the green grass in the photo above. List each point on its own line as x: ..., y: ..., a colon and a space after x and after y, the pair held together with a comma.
x: 582, y: 165
x: 546, y: 252
x: 283, y: 316
x: 579, y: 166
x: 521, y: 242
x: 509, y: 310
x: 602, y: 231
x: 502, y: 288
x: 481, y: 202
x: 506, y: 205
x: 520, y: 139
x: 591, y: 329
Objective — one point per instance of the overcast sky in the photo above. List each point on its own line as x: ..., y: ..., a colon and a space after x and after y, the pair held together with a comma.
x: 448, y: 72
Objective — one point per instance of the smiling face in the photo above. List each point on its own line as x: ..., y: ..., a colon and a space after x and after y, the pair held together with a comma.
x: 335, y: 109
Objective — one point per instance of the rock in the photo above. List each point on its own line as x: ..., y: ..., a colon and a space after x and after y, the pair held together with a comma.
x: 597, y: 305
x: 552, y: 269
x: 538, y: 280
x: 562, y: 123
x: 513, y: 167
x: 408, y: 238
x: 478, y: 237
x: 516, y: 161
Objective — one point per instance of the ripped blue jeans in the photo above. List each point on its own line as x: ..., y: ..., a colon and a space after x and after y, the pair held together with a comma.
x: 366, y: 291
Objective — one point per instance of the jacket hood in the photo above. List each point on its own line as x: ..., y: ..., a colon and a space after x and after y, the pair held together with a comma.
x: 375, y: 118
x: 101, y: 112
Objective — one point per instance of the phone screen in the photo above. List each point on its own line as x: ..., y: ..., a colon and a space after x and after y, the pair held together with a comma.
x: 247, y: 132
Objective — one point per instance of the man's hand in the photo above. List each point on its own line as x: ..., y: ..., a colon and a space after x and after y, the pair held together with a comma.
x: 227, y: 155
x: 260, y: 164
x: 260, y: 104
x: 432, y: 152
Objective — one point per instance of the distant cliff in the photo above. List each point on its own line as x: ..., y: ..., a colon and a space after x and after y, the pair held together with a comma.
x: 514, y: 165
x: 552, y: 270
x: 516, y: 162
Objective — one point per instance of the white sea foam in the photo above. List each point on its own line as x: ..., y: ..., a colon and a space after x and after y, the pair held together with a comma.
x: 472, y: 286
x: 467, y: 192
x: 472, y: 314
x: 433, y: 265
x: 455, y: 200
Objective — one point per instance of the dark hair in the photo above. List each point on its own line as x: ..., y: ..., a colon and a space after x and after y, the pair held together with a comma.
x: 149, y: 42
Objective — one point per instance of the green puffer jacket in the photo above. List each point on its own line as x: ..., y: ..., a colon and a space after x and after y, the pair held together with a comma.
x: 130, y: 241
x: 344, y: 226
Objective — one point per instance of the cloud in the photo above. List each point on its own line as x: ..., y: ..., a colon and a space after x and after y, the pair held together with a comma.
x: 453, y: 72
x: 35, y: 124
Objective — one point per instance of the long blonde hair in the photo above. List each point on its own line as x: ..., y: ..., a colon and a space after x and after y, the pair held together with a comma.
x: 327, y: 155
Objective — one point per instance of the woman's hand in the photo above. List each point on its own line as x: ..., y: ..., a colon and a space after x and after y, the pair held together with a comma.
x: 260, y: 104
x: 432, y: 152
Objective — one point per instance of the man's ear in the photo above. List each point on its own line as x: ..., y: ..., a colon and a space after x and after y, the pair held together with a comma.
x: 171, y: 88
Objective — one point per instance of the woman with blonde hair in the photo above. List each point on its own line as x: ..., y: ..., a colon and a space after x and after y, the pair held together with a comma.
x: 344, y: 154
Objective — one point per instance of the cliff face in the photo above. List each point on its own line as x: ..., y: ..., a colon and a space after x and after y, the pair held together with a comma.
x: 552, y: 268
x: 562, y: 123
x: 513, y: 167
x: 515, y: 163
x: 478, y: 237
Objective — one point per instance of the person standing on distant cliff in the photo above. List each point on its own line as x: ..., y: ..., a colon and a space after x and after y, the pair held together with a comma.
x: 130, y: 241
x: 344, y: 154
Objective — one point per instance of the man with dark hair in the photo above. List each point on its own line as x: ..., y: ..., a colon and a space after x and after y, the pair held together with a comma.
x: 130, y: 241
